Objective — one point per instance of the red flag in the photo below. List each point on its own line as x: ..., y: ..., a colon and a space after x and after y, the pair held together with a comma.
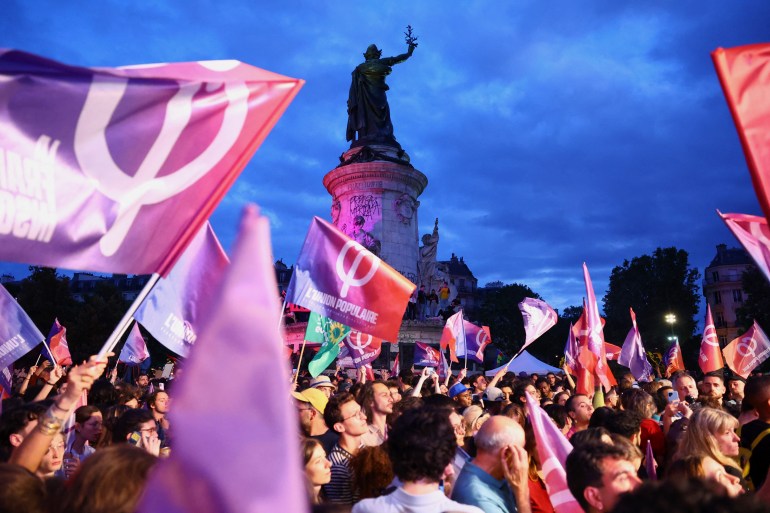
x: 710, y: 358
x: 613, y: 351
x: 744, y: 73
x: 337, y: 277
x: 595, y: 334
x: 673, y: 359
x: 552, y: 450
x: 754, y: 235
x: 57, y: 341
x: 141, y: 155
x: 453, y: 331
x: 396, y: 367
x: 229, y: 422
x: 747, y: 351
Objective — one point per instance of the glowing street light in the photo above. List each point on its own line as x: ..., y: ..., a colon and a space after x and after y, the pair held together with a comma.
x: 671, y: 319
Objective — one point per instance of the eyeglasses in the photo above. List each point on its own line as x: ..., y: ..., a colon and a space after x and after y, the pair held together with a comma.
x: 360, y: 413
x: 149, y: 430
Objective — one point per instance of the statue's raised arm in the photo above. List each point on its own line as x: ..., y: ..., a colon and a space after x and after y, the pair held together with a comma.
x: 368, y: 110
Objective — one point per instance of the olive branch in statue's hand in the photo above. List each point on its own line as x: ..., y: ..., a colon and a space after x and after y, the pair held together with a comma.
x: 411, y: 39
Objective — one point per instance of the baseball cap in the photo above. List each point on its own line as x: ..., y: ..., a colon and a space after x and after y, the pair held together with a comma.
x: 316, y: 398
x: 457, y: 389
x: 321, y: 381
x: 493, y: 394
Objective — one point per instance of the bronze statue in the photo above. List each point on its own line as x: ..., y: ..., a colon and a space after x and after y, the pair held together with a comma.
x: 368, y: 110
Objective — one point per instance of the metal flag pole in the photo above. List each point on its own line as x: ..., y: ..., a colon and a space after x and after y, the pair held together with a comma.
x: 465, y: 341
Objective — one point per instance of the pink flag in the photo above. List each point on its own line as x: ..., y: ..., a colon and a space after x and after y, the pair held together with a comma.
x: 135, y: 349
x: 452, y: 333
x: 128, y: 162
x: 255, y: 433
x: 538, y: 318
x: 747, y: 351
x: 443, y: 368
x: 426, y: 356
x: 571, y: 350
x: 337, y: 277
x: 396, y: 367
x: 710, y: 357
x: 612, y: 351
x: 552, y: 450
x: 57, y: 341
x: 595, y: 334
x: 754, y: 235
x: 173, y: 310
x: 632, y: 354
x: 650, y: 465
x: 744, y: 72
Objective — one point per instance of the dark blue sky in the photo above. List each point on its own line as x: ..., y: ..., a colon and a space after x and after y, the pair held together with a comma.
x: 552, y: 133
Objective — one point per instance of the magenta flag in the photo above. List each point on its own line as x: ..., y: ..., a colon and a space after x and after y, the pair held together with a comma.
x: 552, y: 449
x: 633, y: 356
x: 359, y: 350
x: 595, y: 335
x: 57, y: 341
x: 173, y: 310
x: 18, y: 334
x: 754, y: 235
x: 98, y: 162
x: 337, y: 277
x: 571, y: 349
x: 747, y: 351
x: 255, y: 433
x: 538, y: 318
x: 426, y: 356
x: 135, y: 349
x: 650, y: 465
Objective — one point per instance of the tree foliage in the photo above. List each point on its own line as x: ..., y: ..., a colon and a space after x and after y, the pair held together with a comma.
x: 654, y: 285
x: 756, y: 306
x: 500, y: 311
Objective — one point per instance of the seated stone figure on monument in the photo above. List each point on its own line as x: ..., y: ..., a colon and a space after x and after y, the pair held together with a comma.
x: 368, y: 109
x: 427, y: 263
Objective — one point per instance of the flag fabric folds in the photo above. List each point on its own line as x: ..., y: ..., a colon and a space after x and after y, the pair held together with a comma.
x: 612, y: 351
x: 633, y: 356
x: 360, y: 348
x: 426, y: 356
x: 173, y: 310
x: 452, y: 333
x: 710, y: 357
x: 396, y: 367
x: 672, y: 360
x: 338, y: 278
x: 744, y: 73
x: 571, y: 349
x: 552, y: 450
x: 6, y: 384
x: 57, y: 342
x: 477, y: 339
x: 117, y: 159
x: 538, y: 316
x: 329, y: 334
x: 18, y: 334
x: 746, y: 352
x: 134, y: 350
x: 754, y: 235
x: 230, y: 422
x: 650, y: 465
x: 595, y: 337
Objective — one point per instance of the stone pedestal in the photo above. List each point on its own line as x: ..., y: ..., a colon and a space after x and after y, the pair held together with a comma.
x: 374, y: 201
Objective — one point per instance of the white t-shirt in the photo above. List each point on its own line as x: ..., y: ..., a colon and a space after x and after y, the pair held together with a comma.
x: 402, y: 502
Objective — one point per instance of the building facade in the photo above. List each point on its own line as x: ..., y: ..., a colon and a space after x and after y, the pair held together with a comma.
x: 723, y: 289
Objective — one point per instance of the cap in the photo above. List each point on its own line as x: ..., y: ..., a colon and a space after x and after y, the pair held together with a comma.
x: 493, y: 394
x: 321, y: 381
x: 316, y: 398
x: 457, y: 389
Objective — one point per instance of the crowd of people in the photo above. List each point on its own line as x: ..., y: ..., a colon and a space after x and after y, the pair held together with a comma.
x: 411, y: 442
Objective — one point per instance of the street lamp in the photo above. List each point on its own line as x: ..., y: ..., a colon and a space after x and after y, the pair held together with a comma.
x: 671, y: 319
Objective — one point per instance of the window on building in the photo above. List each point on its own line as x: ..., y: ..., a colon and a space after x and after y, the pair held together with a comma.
x: 715, y: 275
x: 722, y: 341
x: 717, y: 298
x: 738, y: 296
x: 720, y: 320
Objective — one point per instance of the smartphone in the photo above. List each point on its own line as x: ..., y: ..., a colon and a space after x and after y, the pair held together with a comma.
x: 673, y: 396
x: 135, y: 438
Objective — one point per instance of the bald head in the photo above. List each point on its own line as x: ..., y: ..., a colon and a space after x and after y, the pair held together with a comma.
x: 497, y: 433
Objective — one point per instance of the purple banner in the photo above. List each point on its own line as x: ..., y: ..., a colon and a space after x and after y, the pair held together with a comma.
x: 18, y: 334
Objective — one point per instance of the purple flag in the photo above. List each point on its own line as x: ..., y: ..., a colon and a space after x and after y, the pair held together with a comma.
x: 552, y: 448
x: 6, y: 384
x: 649, y: 463
x: 633, y: 356
x: 361, y: 349
x: 173, y: 310
x: 255, y: 433
x: 538, y: 318
x: 476, y: 341
x: 115, y: 170
x: 426, y: 356
x: 18, y: 334
x: 135, y: 349
x: 571, y: 350
x: 57, y: 341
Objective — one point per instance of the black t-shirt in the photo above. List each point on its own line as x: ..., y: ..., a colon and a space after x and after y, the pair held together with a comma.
x: 327, y: 440
x: 760, y: 456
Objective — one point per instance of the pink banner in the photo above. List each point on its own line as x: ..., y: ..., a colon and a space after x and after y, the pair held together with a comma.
x: 746, y: 352
x: 754, y: 235
x: 97, y: 162
x: 710, y: 357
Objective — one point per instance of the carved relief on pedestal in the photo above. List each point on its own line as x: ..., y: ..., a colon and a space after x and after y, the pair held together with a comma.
x: 405, y: 208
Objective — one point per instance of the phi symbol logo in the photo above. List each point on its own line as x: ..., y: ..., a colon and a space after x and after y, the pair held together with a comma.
x: 710, y: 336
x: 746, y: 347
x: 358, y: 344
x: 145, y: 187
x: 349, y: 278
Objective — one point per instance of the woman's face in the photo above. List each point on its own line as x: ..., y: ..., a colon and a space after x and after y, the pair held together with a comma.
x: 728, y: 441
x: 318, y: 469
x: 716, y: 472
x: 53, y: 457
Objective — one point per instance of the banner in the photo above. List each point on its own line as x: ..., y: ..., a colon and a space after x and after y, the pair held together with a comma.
x: 57, y: 341
x: 453, y: 331
x: 330, y: 334
x: 115, y: 169
x: 175, y: 307
x: 18, y: 334
x: 746, y: 352
x: 476, y: 340
x: 426, y: 356
x: 338, y: 278
x: 633, y: 356
x: 360, y: 348
x: 744, y: 73
x: 754, y: 235
x: 135, y: 349
x: 710, y: 357
x: 672, y: 360
x: 538, y: 318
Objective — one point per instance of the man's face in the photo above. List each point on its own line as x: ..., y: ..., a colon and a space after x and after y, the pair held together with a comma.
x: 326, y: 390
x: 354, y: 420
x: 713, y: 387
x: 583, y: 409
x: 686, y: 386
x: 143, y: 381
x: 534, y: 392
x: 736, y: 389
x: 545, y: 389
x: 551, y: 377
x: 395, y: 394
x: 161, y: 403
x: 480, y: 384
x: 91, y: 429
x: 464, y: 399
x: 382, y: 401
x: 305, y: 411
x: 618, y: 477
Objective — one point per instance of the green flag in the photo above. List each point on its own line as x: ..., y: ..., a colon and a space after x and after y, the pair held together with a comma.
x: 329, y: 333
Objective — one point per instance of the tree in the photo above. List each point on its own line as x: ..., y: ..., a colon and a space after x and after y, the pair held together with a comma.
x: 654, y: 285
x: 757, y: 305
x: 500, y: 311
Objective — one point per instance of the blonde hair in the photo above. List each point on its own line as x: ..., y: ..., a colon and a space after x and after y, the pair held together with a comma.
x: 700, y: 437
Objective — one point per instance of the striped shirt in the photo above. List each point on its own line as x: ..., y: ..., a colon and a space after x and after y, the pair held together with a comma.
x: 340, y: 488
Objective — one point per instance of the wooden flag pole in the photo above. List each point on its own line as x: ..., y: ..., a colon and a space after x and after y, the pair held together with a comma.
x: 299, y: 362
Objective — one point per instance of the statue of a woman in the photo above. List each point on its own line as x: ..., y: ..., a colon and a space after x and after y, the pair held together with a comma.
x: 368, y: 110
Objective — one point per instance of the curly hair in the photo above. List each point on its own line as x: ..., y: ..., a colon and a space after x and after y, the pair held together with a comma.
x: 421, y: 444
x: 372, y: 471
